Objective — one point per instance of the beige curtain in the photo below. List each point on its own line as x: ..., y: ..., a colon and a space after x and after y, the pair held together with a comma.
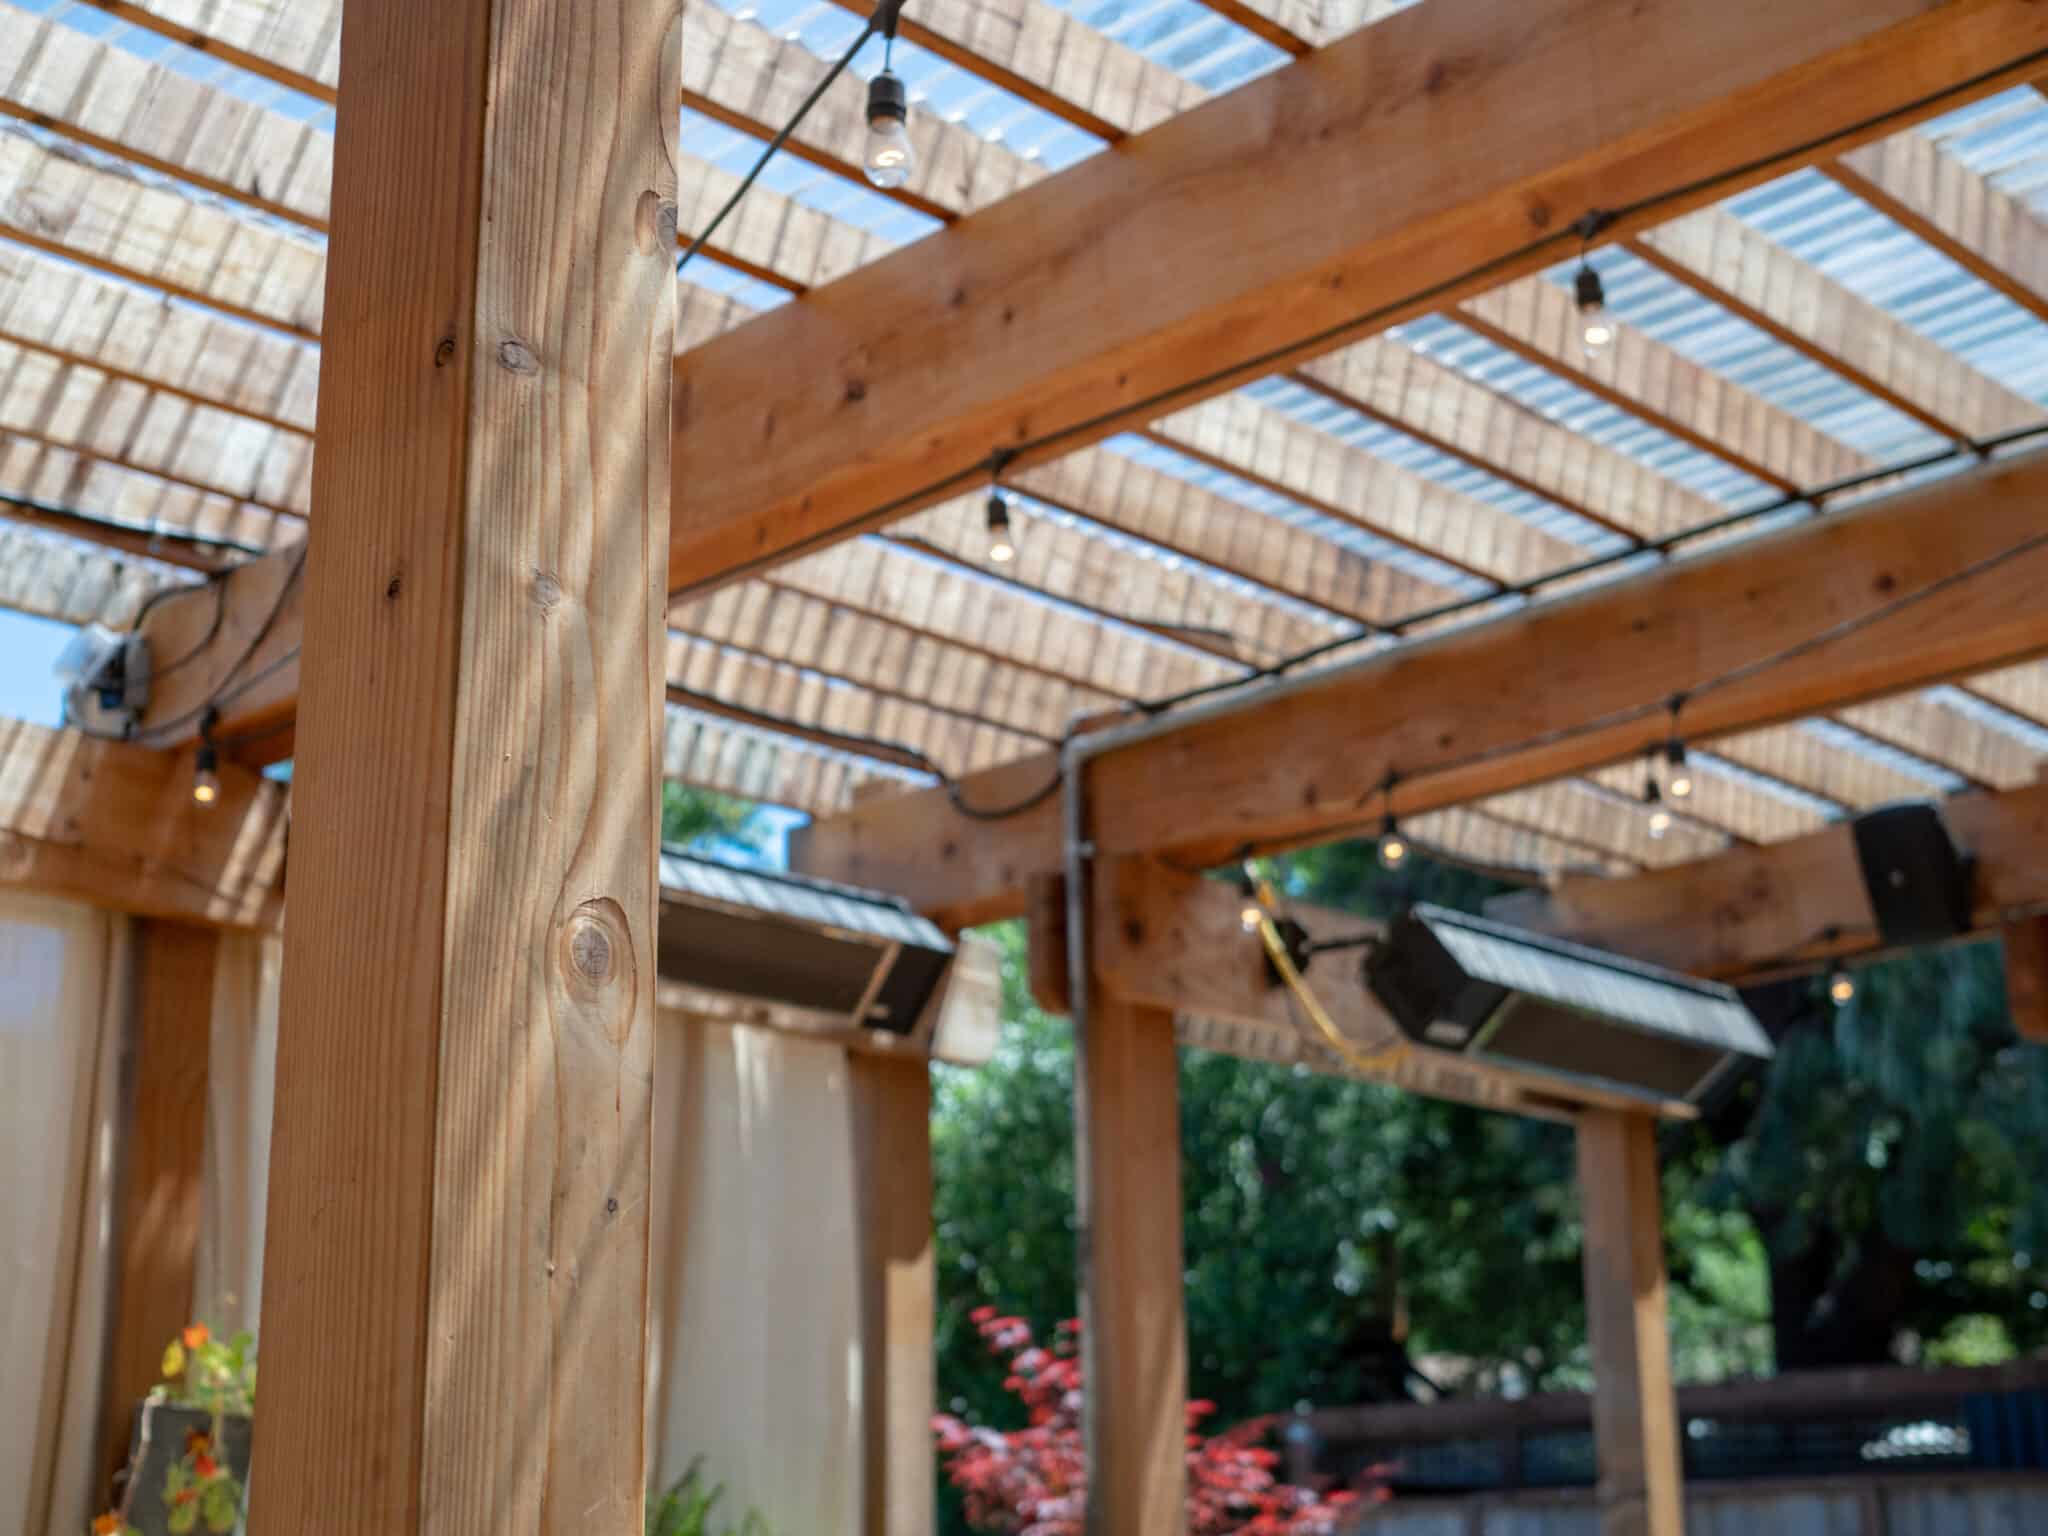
x: 64, y: 994
x: 754, y: 1333
x: 241, y: 1075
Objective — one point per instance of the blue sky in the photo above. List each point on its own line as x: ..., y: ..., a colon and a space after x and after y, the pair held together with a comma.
x: 28, y: 652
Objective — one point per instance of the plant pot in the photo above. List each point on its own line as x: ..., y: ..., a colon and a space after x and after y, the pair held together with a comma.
x: 159, y: 1443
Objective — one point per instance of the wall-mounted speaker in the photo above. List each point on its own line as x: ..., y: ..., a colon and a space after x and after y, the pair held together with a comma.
x: 1918, y: 880
x: 1543, y: 1005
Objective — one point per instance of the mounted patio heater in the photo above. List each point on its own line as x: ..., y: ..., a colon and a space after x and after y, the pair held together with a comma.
x: 778, y: 950
x: 1539, y: 1004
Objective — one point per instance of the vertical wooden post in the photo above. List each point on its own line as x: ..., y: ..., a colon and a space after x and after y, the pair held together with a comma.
x: 892, y: 1138
x: 1133, y: 1312
x: 161, y: 1153
x: 1635, y: 1408
x: 455, y: 1277
x: 2026, y: 976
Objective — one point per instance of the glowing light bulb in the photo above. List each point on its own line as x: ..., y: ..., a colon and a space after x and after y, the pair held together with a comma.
x: 1660, y: 819
x: 206, y: 775
x: 1596, y: 326
x: 1841, y: 988
x: 1678, y: 782
x: 889, y: 159
x: 1251, y: 917
x: 1002, y: 543
x: 1393, y: 848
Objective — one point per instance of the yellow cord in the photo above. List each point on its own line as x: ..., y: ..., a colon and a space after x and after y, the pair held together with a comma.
x: 1372, y: 1064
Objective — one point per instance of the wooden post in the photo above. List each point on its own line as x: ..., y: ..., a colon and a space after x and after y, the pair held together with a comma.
x: 161, y: 1155
x: 1635, y: 1409
x: 892, y: 1140
x: 2026, y: 976
x: 455, y: 1281
x: 1133, y: 1313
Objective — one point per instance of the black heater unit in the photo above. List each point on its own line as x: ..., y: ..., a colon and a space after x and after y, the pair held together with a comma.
x: 825, y: 951
x: 1918, y: 880
x: 1542, y: 1005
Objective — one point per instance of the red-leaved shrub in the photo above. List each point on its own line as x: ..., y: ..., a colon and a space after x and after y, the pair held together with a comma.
x: 1033, y: 1481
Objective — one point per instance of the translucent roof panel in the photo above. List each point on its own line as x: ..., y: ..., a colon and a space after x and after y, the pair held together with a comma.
x: 1990, y: 715
x: 2003, y: 138
x: 1879, y: 261
x: 709, y: 272
x: 839, y: 197
x: 1344, y: 535
x: 1184, y: 36
x: 189, y: 62
x: 1668, y: 311
x: 934, y: 84
x: 1939, y: 780
x: 1418, y: 458
x: 1557, y: 399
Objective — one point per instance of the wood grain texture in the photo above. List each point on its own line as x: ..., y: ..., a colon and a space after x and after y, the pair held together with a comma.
x: 1755, y: 911
x: 890, y: 1109
x: 860, y: 403
x: 1635, y: 1409
x: 162, y: 1147
x: 2026, y: 976
x: 1133, y: 1314
x: 1530, y: 698
x: 115, y: 825
x: 455, y: 1276
x: 234, y: 643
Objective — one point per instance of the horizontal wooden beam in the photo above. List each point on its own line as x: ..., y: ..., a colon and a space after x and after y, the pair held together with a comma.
x: 1916, y: 589
x: 1753, y: 912
x: 1174, y: 941
x: 230, y: 646
x: 115, y: 825
x: 1022, y: 327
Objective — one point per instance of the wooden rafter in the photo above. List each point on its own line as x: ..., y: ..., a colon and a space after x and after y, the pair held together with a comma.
x: 1564, y: 687
x: 757, y: 500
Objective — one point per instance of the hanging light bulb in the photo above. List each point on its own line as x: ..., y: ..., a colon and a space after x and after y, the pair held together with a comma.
x: 1393, y: 848
x: 1596, y: 327
x: 1678, y: 781
x: 1841, y: 987
x: 889, y: 159
x: 1660, y: 819
x: 206, y: 774
x: 1002, y: 544
x: 1252, y: 914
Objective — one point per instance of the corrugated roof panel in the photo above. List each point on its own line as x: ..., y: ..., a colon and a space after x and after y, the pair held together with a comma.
x: 2003, y: 138
x: 1184, y: 36
x: 934, y: 85
x: 1418, y: 458
x: 1669, y: 312
x: 1555, y: 398
x: 1889, y: 266
x: 849, y: 201
x: 1343, y: 534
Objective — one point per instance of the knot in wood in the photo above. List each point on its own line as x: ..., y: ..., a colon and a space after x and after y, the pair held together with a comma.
x: 514, y: 356
x: 547, y: 591
x: 590, y: 950
x: 599, y: 973
x: 654, y: 224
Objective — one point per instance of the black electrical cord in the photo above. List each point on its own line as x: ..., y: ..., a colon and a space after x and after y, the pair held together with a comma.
x: 222, y: 691
x: 1601, y: 219
x: 883, y: 20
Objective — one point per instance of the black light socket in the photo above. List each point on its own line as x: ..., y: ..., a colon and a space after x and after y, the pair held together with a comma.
x: 887, y: 99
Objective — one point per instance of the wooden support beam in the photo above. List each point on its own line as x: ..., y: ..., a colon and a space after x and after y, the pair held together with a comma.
x: 886, y: 390
x: 164, y: 1137
x: 1134, y: 1341
x: 1758, y: 911
x: 892, y: 1155
x: 455, y: 1276
x: 1635, y: 1409
x: 1921, y: 587
x: 115, y: 825
x: 232, y: 647
x: 1173, y: 941
x: 2026, y: 976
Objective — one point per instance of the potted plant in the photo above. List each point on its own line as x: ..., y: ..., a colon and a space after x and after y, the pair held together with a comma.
x: 188, y: 1466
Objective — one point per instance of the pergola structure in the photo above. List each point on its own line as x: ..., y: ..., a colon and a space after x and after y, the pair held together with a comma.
x: 1260, y: 312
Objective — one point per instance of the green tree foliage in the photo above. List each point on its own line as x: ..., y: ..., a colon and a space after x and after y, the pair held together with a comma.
x: 698, y: 817
x: 1900, y: 1141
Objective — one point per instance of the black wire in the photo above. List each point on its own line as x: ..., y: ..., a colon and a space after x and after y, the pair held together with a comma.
x: 803, y: 110
x: 222, y: 692
x: 993, y: 463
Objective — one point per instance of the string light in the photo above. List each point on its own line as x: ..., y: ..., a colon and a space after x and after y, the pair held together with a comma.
x: 1841, y: 987
x: 1002, y: 543
x: 889, y: 159
x: 1660, y: 818
x: 1393, y: 847
x: 1253, y: 913
x: 206, y: 765
x: 1596, y: 326
x: 1678, y: 778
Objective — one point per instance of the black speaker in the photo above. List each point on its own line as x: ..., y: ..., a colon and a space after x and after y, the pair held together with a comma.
x: 1575, y: 1014
x: 1917, y: 879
